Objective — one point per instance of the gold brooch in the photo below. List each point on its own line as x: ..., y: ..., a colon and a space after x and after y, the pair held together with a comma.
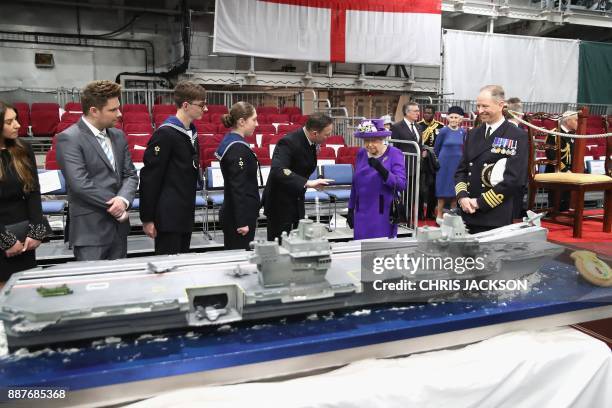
x: 287, y: 172
x: 157, y: 149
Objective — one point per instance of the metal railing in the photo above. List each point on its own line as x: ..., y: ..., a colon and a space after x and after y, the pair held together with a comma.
x: 442, y: 105
x: 410, y: 196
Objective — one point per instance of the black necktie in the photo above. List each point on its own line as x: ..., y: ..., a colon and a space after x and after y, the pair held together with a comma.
x: 313, y: 147
x: 414, y: 131
x: 488, y: 132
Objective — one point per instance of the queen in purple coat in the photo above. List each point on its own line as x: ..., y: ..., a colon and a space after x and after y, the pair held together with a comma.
x: 379, y: 173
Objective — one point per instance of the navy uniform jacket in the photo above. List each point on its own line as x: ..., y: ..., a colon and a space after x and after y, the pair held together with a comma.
x: 241, y: 204
x: 293, y: 161
x: 429, y: 132
x: 495, y: 204
x: 168, y: 180
x: 567, y: 152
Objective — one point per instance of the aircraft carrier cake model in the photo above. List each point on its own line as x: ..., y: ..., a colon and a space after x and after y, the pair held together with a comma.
x: 304, y: 274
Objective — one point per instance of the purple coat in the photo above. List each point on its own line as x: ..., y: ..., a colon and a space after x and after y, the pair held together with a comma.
x: 371, y: 196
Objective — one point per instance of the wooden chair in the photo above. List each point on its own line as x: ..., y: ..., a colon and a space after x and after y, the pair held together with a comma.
x: 576, y: 182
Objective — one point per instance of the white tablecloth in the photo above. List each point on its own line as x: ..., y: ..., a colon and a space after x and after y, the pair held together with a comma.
x: 553, y: 368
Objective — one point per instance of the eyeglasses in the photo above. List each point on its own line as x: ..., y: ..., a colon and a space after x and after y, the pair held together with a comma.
x: 201, y: 105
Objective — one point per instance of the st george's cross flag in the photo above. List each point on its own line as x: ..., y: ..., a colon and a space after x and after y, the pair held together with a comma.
x: 354, y: 31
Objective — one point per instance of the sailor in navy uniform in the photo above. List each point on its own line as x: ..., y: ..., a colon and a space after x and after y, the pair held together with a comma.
x: 493, y: 167
x: 568, y: 125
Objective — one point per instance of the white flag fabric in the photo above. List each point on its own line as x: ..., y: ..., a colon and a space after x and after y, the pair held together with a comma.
x: 357, y: 31
x: 534, y: 69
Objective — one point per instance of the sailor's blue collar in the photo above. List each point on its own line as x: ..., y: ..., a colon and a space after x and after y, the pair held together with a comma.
x: 228, y: 139
x: 173, y: 120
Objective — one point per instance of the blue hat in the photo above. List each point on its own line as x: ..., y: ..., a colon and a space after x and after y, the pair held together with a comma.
x: 372, y: 128
x: 456, y: 109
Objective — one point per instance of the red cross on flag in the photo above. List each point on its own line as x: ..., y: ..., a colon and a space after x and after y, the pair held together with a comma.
x: 357, y: 31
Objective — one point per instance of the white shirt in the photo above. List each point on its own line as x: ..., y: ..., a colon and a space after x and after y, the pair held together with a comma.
x: 410, y: 124
x: 310, y: 142
x: 495, y: 125
x: 94, y: 129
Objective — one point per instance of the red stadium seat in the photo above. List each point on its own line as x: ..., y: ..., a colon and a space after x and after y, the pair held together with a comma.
x: 62, y: 126
x: 140, y: 140
x: 335, y: 140
x: 51, y: 160
x: 215, y: 118
x: 23, y: 116
x: 346, y: 160
x: 137, y: 155
x: 71, y: 117
x: 264, y: 161
x: 267, y: 110
x: 262, y: 119
x: 73, y: 107
x: 326, y: 153
x: 291, y: 110
x: 160, y: 118
x: 164, y: 109
x: 222, y: 129
x: 260, y: 129
x: 135, y: 107
x: 136, y: 117
x: 202, y: 127
x: 299, y: 119
x: 251, y: 139
x: 278, y: 118
x: 44, y: 122
x: 137, y: 128
x: 217, y: 109
x: 284, y: 129
x: 348, y: 151
x: 209, y: 153
x: 45, y: 106
x: 262, y: 152
x: 270, y: 138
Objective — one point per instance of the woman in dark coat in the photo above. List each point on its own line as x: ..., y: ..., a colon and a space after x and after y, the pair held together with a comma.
x: 240, y: 168
x: 380, y: 173
x: 21, y: 220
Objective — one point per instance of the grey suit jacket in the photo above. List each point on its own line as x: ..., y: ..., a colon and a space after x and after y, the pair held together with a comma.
x: 91, y: 182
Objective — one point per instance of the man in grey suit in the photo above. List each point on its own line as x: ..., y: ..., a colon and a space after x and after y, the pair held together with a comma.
x: 100, y: 177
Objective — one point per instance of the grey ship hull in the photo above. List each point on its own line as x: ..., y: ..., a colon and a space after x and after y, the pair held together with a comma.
x: 114, y: 298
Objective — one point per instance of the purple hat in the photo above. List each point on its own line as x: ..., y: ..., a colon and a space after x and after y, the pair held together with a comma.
x: 372, y: 128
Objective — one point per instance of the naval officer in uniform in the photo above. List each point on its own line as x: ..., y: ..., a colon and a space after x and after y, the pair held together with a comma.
x: 493, y: 167
x: 293, y: 161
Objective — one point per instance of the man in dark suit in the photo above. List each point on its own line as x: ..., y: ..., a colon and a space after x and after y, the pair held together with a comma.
x: 407, y: 128
x: 100, y: 177
x: 169, y: 178
x: 293, y: 161
x: 493, y: 166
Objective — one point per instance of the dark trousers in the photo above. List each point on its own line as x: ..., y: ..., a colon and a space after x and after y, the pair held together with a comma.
x: 277, y: 226
x: 18, y: 263
x: 564, y: 202
x: 170, y: 243
x: 115, y: 250
x: 233, y: 240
